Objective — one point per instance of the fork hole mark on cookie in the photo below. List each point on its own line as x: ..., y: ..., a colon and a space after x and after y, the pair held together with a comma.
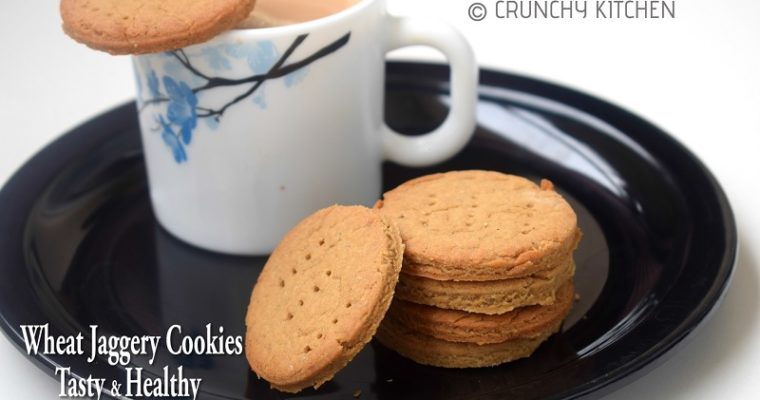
x: 316, y: 288
x: 328, y: 273
x: 306, y: 349
x: 335, y: 320
x: 319, y: 336
x: 294, y: 271
x: 348, y: 305
x: 300, y: 302
x: 321, y: 242
x: 308, y: 257
x: 282, y: 283
x: 289, y: 316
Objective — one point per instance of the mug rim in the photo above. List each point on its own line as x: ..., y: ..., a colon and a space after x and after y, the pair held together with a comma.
x: 285, y: 30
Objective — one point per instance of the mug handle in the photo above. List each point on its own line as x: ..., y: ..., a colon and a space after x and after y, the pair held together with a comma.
x: 456, y: 130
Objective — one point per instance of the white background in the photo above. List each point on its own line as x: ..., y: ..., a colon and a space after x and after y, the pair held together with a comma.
x: 697, y: 76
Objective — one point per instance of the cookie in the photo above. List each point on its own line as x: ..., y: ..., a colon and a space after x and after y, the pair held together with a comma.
x: 487, y: 297
x: 321, y: 296
x: 428, y: 350
x: 480, y: 225
x: 149, y: 26
x: 461, y: 326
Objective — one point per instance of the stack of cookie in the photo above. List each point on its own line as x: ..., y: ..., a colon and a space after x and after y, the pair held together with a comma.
x: 480, y: 262
x: 487, y: 270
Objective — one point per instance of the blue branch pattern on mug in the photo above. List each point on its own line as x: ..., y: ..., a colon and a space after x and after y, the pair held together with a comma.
x: 183, y: 83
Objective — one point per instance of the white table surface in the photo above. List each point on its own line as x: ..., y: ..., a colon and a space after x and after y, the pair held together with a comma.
x: 697, y: 76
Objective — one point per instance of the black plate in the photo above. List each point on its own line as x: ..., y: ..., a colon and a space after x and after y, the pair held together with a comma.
x: 80, y: 246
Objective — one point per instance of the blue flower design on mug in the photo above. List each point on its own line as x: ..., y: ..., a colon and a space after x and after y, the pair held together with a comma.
x: 171, y: 140
x: 174, y: 91
x: 181, y: 110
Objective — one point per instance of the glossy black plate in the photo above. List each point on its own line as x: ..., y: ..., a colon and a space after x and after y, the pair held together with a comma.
x: 79, y: 245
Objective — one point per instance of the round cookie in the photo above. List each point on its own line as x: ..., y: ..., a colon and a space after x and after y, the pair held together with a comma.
x: 479, y: 225
x: 428, y: 350
x: 149, y: 26
x: 321, y: 296
x: 461, y: 326
x: 487, y: 297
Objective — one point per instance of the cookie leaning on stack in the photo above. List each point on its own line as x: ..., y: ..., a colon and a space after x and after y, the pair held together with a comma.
x: 321, y: 296
x: 480, y: 246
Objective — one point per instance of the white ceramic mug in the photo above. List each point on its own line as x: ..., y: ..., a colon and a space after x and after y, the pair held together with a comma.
x: 248, y: 133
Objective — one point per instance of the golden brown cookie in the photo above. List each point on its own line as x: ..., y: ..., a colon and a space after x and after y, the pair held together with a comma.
x: 461, y: 326
x: 487, y: 297
x: 321, y: 296
x: 480, y: 225
x: 149, y: 26
x: 441, y: 353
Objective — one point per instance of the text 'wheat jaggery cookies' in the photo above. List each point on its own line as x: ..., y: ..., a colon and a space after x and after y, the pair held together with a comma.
x: 460, y: 326
x: 480, y: 225
x: 321, y: 296
x: 149, y: 26
x: 487, y: 297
